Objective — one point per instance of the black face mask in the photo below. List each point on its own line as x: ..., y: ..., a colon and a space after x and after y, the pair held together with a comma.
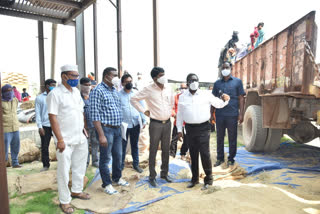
x: 128, y: 86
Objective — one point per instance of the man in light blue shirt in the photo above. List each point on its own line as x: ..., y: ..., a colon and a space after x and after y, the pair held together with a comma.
x: 134, y: 119
x: 43, y: 122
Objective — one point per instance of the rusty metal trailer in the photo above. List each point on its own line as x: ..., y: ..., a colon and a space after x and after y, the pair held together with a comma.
x: 281, y: 79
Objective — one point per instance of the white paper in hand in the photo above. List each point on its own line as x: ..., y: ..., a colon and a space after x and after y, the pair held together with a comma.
x: 124, y: 127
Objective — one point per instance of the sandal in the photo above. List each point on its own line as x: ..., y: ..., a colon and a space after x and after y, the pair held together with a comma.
x: 82, y: 196
x: 66, y: 208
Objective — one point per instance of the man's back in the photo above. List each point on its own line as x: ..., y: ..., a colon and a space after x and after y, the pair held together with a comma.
x: 10, y: 118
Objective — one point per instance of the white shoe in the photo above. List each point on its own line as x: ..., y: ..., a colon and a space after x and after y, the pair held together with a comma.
x: 122, y: 182
x: 110, y: 190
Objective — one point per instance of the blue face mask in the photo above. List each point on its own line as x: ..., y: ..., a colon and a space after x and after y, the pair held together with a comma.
x: 51, y: 88
x: 73, y: 83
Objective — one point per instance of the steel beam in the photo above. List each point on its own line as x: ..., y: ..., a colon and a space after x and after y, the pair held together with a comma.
x: 95, y: 41
x: 25, y: 15
x: 53, y: 50
x: 155, y: 34
x: 41, y: 55
x: 80, y: 45
x: 119, y: 38
x: 73, y: 4
x: 4, y: 196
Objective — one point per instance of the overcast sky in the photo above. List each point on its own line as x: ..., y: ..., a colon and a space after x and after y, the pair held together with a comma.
x: 191, y: 35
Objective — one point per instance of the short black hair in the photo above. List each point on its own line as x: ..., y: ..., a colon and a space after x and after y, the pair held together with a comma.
x: 261, y: 24
x: 24, y: 89
x: 190, y: 75
x: 108, y: 70
x: 84, y: 80
x: 49, y: 82
x: 155, y: 71
x: 125, y: 76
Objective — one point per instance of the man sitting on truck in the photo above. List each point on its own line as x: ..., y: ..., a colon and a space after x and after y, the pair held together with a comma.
x: 228, y: 117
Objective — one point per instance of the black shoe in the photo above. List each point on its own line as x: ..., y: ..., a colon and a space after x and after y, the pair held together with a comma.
x: 138, y: 169
x: 192, y: 184
x: 205, y: 186
x: 218, y: 163
x: 230, y: 163
x: 166, y: 178
x: 153, y: 182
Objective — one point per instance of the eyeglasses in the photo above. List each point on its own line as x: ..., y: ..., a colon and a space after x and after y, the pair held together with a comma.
x: 74, y: 76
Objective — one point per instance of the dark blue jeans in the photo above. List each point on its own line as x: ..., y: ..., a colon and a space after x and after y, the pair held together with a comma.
x: 134, y: 139
x: 114, y: 150
x: 12, y: 139
x: 231, y: 124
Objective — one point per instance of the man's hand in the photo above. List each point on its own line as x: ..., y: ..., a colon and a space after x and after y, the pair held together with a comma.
x: 103, y: 141
x: 41, y: 132
x: 144, y: 126
x: 240, y: 118
x: 147, y: 113
x: 180, y: 136
x: 225, y: 97
x: 61, y: 146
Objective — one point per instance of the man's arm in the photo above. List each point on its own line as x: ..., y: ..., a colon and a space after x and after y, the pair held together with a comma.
x: 241, y: 94
x: 219, y: 103
x: 141, y: 95
x: 56, y: 130
x: 38, y: 116
x: 179, y: 119
x: 94, y: 107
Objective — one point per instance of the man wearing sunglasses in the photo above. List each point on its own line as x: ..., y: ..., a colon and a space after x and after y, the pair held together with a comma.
x: 65, y: 108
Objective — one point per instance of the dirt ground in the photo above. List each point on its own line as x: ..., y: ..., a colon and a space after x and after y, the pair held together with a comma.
x: 253, y: 194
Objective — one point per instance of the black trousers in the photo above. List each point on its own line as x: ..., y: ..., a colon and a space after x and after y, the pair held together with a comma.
x: 174, y: 141
x: 45, y: 142
x: 198, y: 137
x: 231, y: 124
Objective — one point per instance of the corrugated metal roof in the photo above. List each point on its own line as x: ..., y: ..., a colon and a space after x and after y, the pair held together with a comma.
x: 55, y: 11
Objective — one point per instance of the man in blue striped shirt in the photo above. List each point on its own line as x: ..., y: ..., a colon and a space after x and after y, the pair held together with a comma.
x: 43, y: 123
x: 135, y: 120
x: 106, y: 114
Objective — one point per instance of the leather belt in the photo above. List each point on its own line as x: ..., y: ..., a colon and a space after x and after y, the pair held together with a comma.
x: 110, y: 126
x: 160, y: 121
x: 197, y: 124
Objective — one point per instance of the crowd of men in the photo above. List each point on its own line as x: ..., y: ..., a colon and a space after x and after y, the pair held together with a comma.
x: 94, y: 115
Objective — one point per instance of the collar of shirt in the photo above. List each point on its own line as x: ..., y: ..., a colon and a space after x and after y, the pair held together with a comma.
x: 108, y: 87
x: 157, y: 87
x: 196, y: 93
x: 230, y: 78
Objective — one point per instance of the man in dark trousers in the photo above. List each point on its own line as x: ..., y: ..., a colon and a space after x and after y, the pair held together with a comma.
x: 160, y: 101
x: 229, y: 116
x: 194, y: 109
x: 43, y: 123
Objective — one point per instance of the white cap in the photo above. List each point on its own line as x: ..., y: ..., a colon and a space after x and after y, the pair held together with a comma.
x: 69, y: 68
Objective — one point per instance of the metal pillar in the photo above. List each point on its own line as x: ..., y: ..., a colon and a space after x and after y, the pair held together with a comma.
x: 80, y: 48
x: 4, y: 208
x: 155, y: 34
x: 53, y: 50
x: 95, y: 41
x: 41, y: 55
x: 119, y: 37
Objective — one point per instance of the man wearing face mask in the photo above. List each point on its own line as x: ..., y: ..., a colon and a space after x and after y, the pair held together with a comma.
x: 229, y: 116
x: 85, y: 88
x: 43, y: 122
x: 134, y: 119
x: 106, y: 114
x: 10, y: 124
x: 65, y: 108
x: 160, y: 101
x: 194, y: 109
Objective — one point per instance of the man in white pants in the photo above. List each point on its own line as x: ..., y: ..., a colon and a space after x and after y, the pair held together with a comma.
x: 65, y: 108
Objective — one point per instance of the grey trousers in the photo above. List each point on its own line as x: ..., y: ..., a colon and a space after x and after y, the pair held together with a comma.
x: 159, y: 132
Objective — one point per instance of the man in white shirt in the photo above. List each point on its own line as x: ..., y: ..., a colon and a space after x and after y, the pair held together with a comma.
x: 65, y: 108
x: 194, y: 109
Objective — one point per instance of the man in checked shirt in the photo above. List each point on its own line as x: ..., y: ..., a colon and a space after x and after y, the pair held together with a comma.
x: 106, y: 114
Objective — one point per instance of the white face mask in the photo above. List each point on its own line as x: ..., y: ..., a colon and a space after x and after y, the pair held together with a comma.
x: 226, y: 72
x: 194, y: 86
x: 115, y: 81
x: 162, y: 80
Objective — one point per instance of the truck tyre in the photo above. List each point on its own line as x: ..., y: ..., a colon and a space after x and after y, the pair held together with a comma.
x: 273, y: 140
x: 254, y: 136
